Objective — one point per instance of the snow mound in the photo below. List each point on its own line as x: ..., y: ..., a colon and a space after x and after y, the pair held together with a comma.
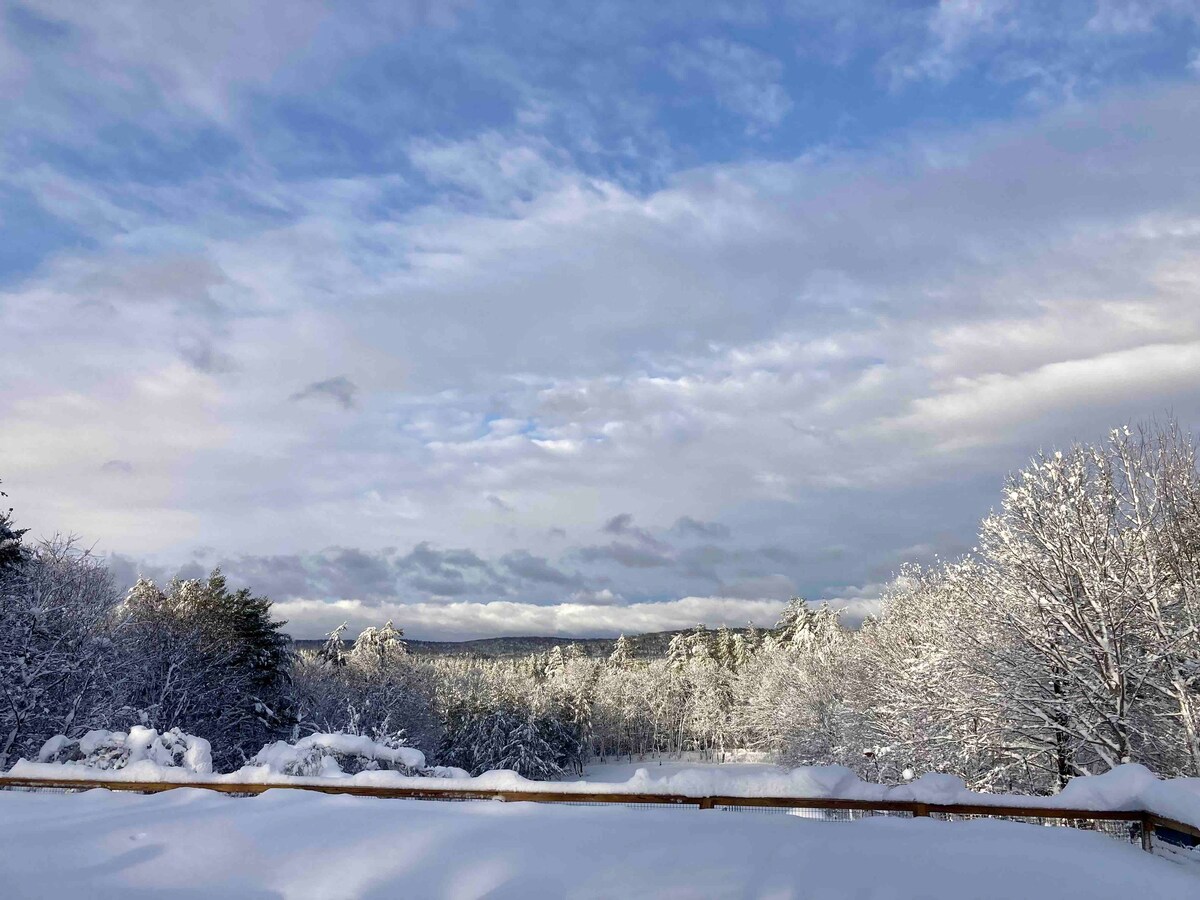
x: 334, y: 755
x: 140, y: 749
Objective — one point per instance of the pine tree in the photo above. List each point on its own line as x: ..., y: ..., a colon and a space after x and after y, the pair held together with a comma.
x: 333, y: 651
x: 753, y: 639
x: 11, y: 551
x: 621, y: 654
x: 529, y: 754
x: 793, y: 620
x: 723, y: 648
x: 379, y: 647
x: 556, y: 663
x: 208, y: 660
x: 740, y: 653
x: 678, y: 652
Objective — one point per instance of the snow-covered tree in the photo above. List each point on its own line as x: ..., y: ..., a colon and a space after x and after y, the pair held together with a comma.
x: 57, y: 658
x: 1062, y: 578
x: 556, y: 662
x: 622, y: 653
x: 379, y: 647
x: 211, y: 661
x: 333, y: 651
x: 11, y: 551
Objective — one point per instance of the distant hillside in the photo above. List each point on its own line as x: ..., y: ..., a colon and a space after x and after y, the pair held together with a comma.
x: 645, y: 646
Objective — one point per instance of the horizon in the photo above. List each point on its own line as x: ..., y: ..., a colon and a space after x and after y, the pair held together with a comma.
x: 558, y: 320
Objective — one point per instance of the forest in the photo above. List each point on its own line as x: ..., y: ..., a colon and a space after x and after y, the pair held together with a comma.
x: 1066, y: 643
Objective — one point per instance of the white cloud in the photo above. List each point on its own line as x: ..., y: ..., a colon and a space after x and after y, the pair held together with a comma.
x: 980, y: 410
x: 456, y: 621
x: 1056, y: 50
x: 745, y: 81
x: 140, y: 55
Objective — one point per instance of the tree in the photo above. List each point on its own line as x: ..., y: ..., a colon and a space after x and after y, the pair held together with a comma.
x: 796, y: 690
x: 1158, y: 485
x: 527, y: 752
x: 930, y: 691
x: 379, y: 647
x: 556, y: 662
x: 205, y: 659
x: 12, y: 554
x: 58, y: 670
x: 621, y: 653
x: 1062, y: 578
x: 333, y: 651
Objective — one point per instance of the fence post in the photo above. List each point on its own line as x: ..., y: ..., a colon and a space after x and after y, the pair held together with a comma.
x: 921, y: 809
x: 1148, y: 833
x: 706, y: 803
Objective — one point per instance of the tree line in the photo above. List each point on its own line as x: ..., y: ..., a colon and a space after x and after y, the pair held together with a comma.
x: 1066, y: 643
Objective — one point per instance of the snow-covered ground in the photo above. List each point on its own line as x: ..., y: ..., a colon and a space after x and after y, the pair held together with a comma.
x: 295, y: 844
x: 666, y: 767
x: 1127, y: 787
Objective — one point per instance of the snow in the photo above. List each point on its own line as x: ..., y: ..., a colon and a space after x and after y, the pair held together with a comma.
x: 661, y: 768
x: 297, y: 845
x: 145, y: 755
x: 1128, y: 787
x: 53, y: 747
x: 286, y: 758
x: 140, y: 750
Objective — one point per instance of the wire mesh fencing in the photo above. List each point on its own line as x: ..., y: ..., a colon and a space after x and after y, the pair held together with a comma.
x: 40, y: 789
x: 816, y: 813
x: 1127, y: 831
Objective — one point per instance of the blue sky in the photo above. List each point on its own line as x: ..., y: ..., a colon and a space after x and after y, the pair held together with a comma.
x: 574, y: 318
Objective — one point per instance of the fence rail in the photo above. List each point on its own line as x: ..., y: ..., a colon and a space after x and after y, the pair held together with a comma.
x: 1145, y: 826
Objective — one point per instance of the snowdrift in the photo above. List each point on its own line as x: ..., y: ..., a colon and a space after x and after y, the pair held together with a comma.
x: 138, y: 751
x: 337, y: 754
x: 301, y: 845
x: 144, y: 755
x: 1128, y: 787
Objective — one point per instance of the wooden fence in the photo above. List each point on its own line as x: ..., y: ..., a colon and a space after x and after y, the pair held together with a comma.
x: 1143, y: 825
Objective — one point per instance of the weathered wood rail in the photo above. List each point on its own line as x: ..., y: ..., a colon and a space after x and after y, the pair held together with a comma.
x: 1147, y: 823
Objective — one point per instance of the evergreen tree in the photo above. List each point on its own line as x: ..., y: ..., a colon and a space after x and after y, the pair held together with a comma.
x: 723, y: 648
x: 205, y: 659
x: 333, y: 651
x: 11, y: 551
x: 556, y: 663
x: 379, y: 647
x: 622, y: 653
x: 678, y: 652
x: 753, y: 639
x: 529, y: 754
x: 740, y: 653
x: 792, y: 621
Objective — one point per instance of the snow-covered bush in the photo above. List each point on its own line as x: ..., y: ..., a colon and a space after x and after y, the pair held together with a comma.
x: 110, y: 750
x: 339, y: 754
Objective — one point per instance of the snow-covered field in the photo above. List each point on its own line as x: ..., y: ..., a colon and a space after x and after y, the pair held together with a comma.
x: 293, y: 844
x: 615, y: 772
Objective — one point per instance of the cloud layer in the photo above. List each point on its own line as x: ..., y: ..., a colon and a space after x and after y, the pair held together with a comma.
x: 487, y: 323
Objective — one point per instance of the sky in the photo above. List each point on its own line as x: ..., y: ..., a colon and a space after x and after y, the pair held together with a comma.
x: 577, y: 318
